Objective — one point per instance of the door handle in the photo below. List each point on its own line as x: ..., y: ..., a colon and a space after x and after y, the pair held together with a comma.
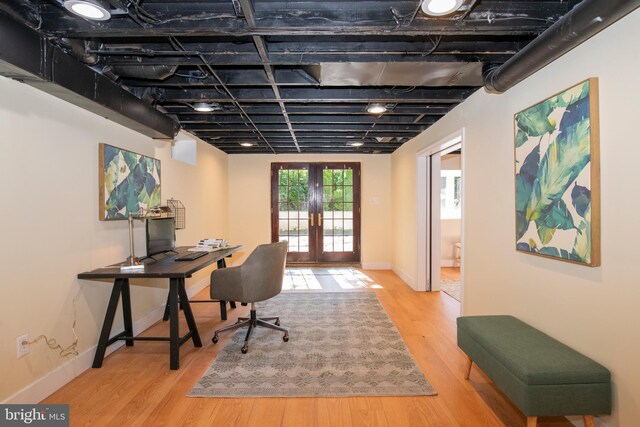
x: 311, y: 219
x: 319, y: 220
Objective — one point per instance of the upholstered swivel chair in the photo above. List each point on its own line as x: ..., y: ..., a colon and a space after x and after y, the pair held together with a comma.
x: 257, y: 279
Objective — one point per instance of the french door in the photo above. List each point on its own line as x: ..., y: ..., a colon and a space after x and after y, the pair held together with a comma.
x: 316, y: 208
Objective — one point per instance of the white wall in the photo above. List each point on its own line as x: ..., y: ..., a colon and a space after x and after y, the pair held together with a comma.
x: 593, y: 310
x: 450, y: 229
x: 51, y: 231
x: 250, y: 203
x: 449, y: 236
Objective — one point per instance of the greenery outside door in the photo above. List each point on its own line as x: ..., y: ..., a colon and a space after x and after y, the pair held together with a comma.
x: 316, y: 208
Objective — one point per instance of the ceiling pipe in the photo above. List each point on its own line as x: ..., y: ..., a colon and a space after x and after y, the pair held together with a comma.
x: 79, y: 49
x: 30, y: 58
x: 23, y: 12
x: 586, y: 19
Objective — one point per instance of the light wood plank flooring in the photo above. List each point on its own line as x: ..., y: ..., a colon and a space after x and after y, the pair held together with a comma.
x: 450, y: 273
x: 136, y: 388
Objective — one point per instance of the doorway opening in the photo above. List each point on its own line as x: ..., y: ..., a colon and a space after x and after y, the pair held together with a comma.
x: 439, y: 206
x: 451, y: 220
x: 316, y: 208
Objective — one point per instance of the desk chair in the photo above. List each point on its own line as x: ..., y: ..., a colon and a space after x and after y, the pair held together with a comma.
x: 257, y: 279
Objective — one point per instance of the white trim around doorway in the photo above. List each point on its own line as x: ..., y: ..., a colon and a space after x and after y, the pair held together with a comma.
x: 422, y: 176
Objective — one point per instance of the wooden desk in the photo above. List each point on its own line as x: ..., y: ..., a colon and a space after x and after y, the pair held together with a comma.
x: 166, y: 268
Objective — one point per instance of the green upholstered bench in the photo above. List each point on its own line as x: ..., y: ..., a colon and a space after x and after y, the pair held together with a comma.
x: 542, y: 376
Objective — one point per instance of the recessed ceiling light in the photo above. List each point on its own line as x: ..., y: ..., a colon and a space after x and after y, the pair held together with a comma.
x: 246, y: 144
x: 95, y: 10
x: 376, y: 108
x: 203, y: 107
x: 440, y: 7
x: 356, y: 144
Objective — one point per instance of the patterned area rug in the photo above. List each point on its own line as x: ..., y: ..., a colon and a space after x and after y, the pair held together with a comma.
x: 451, y: 287
x: 342, y: 344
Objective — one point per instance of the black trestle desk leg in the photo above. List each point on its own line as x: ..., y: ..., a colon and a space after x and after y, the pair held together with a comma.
x: 108, y: 323
x: 126, y: 311
x: 174, y: 332
x: 188, y: 314
x: 165, y: 316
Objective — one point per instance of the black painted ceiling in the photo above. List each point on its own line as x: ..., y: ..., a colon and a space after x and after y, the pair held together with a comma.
x: 296, y: 76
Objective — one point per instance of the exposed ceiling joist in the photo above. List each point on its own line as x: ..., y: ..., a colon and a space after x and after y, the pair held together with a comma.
x: 293, y: 76
x: 27, y: 56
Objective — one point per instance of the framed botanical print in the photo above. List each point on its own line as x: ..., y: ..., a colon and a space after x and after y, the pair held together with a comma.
x: 128, y: 182
x: 557, y: 176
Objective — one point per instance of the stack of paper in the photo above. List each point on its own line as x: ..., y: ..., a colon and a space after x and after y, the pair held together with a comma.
x: 214, y: 243
x: 202, y: 248
x: 131, y: 268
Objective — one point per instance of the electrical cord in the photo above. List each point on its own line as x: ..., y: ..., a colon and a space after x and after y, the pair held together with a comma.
x: 491, y: 18
x: 398, y: 17
x: 148, y: 18
x: 435, y: 44
x: 189, y: 76
x: 70, y: 350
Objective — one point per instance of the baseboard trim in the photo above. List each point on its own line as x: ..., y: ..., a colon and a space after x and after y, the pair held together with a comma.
x: 52, y: 381
x: 63, y: 374
x: 197, y: 287
x: 376, y: 266
x: 405, y: 277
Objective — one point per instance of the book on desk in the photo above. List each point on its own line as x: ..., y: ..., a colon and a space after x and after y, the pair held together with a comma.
x: 210, y: 245
x: 202, y: 248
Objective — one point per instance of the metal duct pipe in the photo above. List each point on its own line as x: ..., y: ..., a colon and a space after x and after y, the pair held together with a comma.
x: 586, y: 19
x: 79, y: 48
x: 30, y: 58
x: 23, y: 12
x: 147, y: 72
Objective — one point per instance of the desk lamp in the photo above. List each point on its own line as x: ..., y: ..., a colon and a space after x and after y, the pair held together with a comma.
x: 155, y: 212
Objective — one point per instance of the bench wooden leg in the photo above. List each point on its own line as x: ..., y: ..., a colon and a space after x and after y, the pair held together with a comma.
x: 532, y: 421
x: 588, y: 421
x: 468, y: 369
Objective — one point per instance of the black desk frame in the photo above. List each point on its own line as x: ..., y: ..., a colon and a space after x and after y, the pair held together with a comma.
x: 223, y: 303
x: 177, y: 292
x: 177, y: 272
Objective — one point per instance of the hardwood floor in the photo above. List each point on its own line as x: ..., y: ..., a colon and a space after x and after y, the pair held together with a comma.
x: 136, y: 388
x: 450, y: 273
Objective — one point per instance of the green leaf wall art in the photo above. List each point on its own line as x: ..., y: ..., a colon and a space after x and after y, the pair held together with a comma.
x: 558, y: 177
x: 128, y: 182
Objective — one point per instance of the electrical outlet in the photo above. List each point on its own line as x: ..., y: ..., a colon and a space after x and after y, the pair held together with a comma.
x: 22, y: 344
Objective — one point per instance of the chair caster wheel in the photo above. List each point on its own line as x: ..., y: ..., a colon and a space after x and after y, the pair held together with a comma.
x: 244, y: 349
x: 277, y: 322
x: 215, y: 338
x: 285, y: 338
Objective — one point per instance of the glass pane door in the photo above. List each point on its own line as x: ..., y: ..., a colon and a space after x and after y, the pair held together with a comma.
x: 291, y: 211
x: 339, y: 212
x: 316, y: 208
